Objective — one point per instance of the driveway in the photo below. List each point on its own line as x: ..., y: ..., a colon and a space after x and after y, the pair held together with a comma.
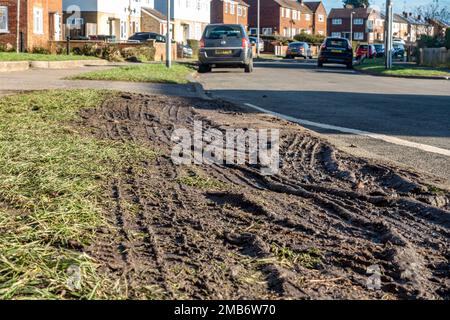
x: 406, y: 121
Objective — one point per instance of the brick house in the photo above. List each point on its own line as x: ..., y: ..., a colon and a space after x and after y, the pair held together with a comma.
x: 319, y: 17
x: 229, y: 11
x: 40, y: 21
x: 153, y: 21
x: 368, y: 24
x: 281, y: 17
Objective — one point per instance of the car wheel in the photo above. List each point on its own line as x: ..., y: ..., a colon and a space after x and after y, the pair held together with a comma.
x: 204, y: 68
x: 249, y: 67
x: 350, y: 65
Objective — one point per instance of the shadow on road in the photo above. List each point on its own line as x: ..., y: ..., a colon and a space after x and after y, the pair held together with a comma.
x: 390, y: 114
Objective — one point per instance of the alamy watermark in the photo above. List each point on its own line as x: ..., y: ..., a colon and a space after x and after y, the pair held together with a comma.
x: 233, y: 146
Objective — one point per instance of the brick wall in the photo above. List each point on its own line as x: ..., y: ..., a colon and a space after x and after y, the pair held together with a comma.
x: 270, y: 14
x: 320, y: 26
x: 31, y: 39
x: 221, y: 13
x: 150, y: 24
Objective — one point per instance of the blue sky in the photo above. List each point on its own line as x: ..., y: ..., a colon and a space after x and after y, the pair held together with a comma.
x: 399, y: 4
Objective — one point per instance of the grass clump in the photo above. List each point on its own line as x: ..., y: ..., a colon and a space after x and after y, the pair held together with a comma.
x: 157, y: 73
x: 310, y: 259
x: 51, y: 188
x: 194, y: 179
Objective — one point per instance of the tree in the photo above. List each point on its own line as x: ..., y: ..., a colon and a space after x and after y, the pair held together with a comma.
x: 447, y: 38
x: 357, y: 3
x: 433, y: 11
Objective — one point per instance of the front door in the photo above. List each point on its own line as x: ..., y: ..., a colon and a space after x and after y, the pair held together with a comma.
x: 57, y: 27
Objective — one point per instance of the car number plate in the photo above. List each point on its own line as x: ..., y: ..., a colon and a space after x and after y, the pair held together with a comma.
x: 224, y: 52
x: 336, y: 51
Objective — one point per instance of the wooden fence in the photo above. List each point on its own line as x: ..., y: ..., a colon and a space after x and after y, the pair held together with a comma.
x: 435, y: 57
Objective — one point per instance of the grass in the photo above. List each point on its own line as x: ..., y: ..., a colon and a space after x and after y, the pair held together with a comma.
x: 13, y: 56
x: 157, y: 73
x: 196, y: 180
x: 51, y: 185
x: 309, y: 259
x: 377, y: 66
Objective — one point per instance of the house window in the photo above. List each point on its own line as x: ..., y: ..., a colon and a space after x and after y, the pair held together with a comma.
x: 358, y: 36
x: 231, y: 8
x: 245, y: 12
x: 123, y: 29
x: 307, y: 17
x: 267, y: 31
x: 336, y: 34
x: 239, y: 11
x: 226, y: 7
x: 38, y: 20
x: 294, y: 14
x: 288, y: 13
x: 321, y: 18
x: 336, y: 21
x: 3, y: 19
x: 358, y: 21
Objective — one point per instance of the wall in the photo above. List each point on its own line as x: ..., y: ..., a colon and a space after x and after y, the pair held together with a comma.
x: 270, y: 14
x: 435, y: 57
x: 320, y: 27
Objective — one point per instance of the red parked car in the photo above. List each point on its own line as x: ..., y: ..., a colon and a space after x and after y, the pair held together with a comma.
x: 361, y: 51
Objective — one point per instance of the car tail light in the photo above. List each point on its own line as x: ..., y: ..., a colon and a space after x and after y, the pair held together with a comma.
x: 202, y: 43
x: 323, y: 46
x: 244, y: 43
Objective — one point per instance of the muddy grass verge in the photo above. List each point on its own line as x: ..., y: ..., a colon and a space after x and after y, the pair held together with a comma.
x: 227, y: 232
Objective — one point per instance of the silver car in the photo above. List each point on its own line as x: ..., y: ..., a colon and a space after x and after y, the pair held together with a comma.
x: 225, y: 45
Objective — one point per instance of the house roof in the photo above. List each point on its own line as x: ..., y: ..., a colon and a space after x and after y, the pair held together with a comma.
x: 243, y: 3
x: 158, y: 15
x: 344, y: 13
x: 294, y: 4
x: 313, y: 5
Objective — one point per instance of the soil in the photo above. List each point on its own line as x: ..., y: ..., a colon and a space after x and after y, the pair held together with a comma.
x: 312, y: 231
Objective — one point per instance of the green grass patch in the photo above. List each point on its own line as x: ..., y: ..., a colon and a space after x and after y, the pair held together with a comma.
x: 157, y: 73
x: 310, y: 259
x: 13, y: 56
x: 377, y: 66
x: 196, y: 180
x: 52, y: 181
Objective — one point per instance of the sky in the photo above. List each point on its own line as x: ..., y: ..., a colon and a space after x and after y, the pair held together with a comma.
x: 399, y: 5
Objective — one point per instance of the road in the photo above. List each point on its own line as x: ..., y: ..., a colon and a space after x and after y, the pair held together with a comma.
x: 406, y: 121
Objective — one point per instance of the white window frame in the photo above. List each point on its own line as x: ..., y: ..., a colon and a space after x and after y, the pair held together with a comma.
x: 288, y: 13
x: 358, y: 21
x: 294, y: 15
x: 321, y: 18
x: 336, y: 35
x: 6, y: 12
x: 282, y: 12
x: 231, y: 8
x: 336, y: 21
x: 38, y: 20
x: 307, y: 17
x: 358, y: 36
x: 267, y: 31
x: 239, y: 11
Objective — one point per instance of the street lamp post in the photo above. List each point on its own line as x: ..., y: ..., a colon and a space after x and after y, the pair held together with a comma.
x: 388, y: 32
x: 258, y: 28
x: 168, y: 37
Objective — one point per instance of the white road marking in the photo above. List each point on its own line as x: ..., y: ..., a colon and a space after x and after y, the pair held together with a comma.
x: 389, y: 139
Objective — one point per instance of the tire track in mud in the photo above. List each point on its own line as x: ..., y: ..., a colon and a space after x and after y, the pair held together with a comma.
x: 203, y: 243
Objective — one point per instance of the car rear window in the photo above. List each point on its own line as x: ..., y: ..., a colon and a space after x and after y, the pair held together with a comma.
x: 219, y: 32
x: 337, y: 43
x: 295, y: 45
x: 139, y: 36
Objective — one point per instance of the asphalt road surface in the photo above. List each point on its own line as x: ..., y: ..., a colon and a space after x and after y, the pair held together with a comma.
x: 405, y: 121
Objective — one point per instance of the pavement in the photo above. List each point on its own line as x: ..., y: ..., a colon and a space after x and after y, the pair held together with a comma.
x: 41, y: 79
x: 405, y: 121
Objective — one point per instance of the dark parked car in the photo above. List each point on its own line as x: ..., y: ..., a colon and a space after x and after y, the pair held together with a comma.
x: 225, y: 45
x: 399, y: 50
x: 140, y: 37
x: 336, y: 50
x: 298, y: 49
x: 379, y: 47
x: 366, y: 51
